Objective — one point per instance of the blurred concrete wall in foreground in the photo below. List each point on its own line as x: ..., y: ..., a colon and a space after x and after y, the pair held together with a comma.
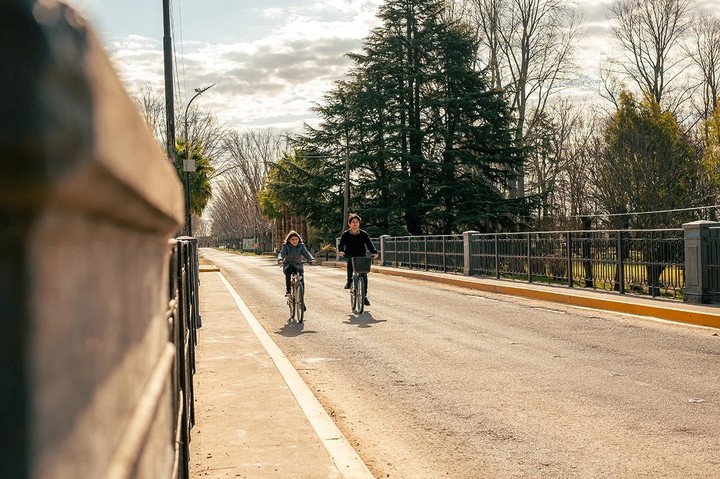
x: 88, y: 202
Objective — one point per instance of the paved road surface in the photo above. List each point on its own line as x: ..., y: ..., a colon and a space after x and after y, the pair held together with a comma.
x: 440, y: 381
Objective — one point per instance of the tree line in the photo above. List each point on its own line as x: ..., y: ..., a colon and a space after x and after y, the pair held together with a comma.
x: 460, y: 115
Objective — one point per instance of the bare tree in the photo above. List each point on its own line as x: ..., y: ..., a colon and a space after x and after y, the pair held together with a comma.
x: 558, y: 167
x: 529, y: 46
x: 235, y: 209
x: 705, y: 54
x: 204, y: 129
x: 151, y: 104
x: 649, y: 33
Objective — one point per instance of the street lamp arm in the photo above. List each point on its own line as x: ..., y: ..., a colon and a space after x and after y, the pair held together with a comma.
x: 198, y: 92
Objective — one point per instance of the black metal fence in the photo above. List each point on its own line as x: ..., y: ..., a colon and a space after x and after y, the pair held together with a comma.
x: 430, y: 253
x: 183, y: 316
x: 643, y: 262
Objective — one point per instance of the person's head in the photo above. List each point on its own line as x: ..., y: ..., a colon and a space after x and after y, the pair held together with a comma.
x: 293, y: 238
x: 354, y: 221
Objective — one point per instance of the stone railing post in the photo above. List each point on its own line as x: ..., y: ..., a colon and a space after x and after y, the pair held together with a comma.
x: 696, y: 263
x: 382, y: 249
x: 88, y: 202
x: 467, y: 252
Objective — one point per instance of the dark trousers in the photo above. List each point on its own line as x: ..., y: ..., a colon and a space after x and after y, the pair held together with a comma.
x: 350, y: 271
x: 289, y: 269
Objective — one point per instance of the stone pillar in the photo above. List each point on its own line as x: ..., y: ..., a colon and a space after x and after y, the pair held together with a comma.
x: 467, y: 235
x: 697, y: 273
x: 88, y: 201
x: 382, y: 249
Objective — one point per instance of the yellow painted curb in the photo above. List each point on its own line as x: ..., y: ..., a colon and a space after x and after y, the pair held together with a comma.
x: 675, y: 313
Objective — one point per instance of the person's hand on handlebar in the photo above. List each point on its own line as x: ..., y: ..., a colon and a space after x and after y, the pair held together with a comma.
x: 341, y: 253
x: 375, y: 255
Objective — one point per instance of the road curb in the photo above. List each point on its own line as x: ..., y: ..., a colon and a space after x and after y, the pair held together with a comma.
x: 698, y: 315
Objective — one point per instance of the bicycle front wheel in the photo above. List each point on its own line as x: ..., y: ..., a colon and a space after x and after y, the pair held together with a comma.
x: 353, y: 294
x: 291, y: 303
x: 360, y: 291
x: 300, y: 302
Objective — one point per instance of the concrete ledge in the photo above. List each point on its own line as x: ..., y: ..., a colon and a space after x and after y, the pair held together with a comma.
x: 209, y: 268
x: 88, y: 203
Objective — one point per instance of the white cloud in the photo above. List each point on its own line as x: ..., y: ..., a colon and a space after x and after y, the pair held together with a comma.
x: 273, y: 80
x: 270, y: 63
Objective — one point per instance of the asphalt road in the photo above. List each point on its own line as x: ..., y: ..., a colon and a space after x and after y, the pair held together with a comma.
x: 440, y: 381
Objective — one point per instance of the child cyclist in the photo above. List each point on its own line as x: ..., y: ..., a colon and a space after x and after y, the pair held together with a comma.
x: 353, y: 243
x: 291, y: 255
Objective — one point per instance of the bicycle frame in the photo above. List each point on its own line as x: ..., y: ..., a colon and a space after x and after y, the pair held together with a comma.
x: 296, y: 301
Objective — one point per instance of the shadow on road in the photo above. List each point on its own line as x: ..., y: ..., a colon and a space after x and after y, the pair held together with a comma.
x: 292, y: 329
x: 364, y: 320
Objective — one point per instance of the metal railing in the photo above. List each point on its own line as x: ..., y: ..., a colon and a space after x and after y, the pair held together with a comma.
x: 183, y: 317
x: 643, y: 262
x: 429, y: 253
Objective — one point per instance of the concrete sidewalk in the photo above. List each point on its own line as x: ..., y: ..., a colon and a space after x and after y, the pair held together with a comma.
x: 254, y: 415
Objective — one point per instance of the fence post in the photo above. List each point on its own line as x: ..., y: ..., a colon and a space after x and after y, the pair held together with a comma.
x: 529, y: 259
x: 382, y: 249
x: 497, y: 255
x: 697, y: 273
x: 426, y: 265
x: 620, y: 264
x: 443, y: 255
x: 467, y: 252
x: 568, y: 243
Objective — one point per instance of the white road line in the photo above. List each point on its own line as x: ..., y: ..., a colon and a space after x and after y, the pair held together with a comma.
x: 346, y: 459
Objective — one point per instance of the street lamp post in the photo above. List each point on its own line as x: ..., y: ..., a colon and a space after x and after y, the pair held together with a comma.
x: 346, y: 193
x: 188, y: 164
x: 346, y: 199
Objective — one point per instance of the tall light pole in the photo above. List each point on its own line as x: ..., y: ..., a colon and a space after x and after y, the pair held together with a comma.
x: 346, y: 195
x: 189, y: 164
x: 346, y: 200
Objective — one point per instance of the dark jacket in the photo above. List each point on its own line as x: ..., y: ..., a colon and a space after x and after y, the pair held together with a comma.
x: 355, y: 244
x: 293, y: 255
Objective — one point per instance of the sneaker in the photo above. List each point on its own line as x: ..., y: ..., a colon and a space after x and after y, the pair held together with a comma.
x: 366, y: 302
x: 288, y: 295
x: 304, y: 308
x: 348, y: 284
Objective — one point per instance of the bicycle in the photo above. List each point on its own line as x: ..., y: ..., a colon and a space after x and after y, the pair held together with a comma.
x: 296, y: 301
x: 358, y: 288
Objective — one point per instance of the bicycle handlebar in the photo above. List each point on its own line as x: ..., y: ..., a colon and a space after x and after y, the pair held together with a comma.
x: 280, y: 261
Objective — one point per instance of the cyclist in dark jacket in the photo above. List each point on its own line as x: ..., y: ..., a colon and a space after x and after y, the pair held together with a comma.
x: 353, y: 242
x: 291, y: 255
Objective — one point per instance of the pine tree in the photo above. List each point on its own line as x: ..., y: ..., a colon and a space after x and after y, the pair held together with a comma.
x: 429, y: 143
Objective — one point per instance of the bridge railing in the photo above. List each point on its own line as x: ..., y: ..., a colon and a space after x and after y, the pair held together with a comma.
x: 649, y: 262
x: 183, y: 316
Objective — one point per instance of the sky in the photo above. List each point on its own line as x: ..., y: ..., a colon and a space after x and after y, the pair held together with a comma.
x: 270, y: 60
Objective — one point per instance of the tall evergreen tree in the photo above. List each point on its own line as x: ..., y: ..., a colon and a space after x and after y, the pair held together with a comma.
x: 429, y: 143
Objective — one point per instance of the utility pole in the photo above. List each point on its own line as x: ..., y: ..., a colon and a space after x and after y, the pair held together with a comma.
x: 189, y: 164
x: 169, y: 95
x: 346, y: 199
x: 346, y: 195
